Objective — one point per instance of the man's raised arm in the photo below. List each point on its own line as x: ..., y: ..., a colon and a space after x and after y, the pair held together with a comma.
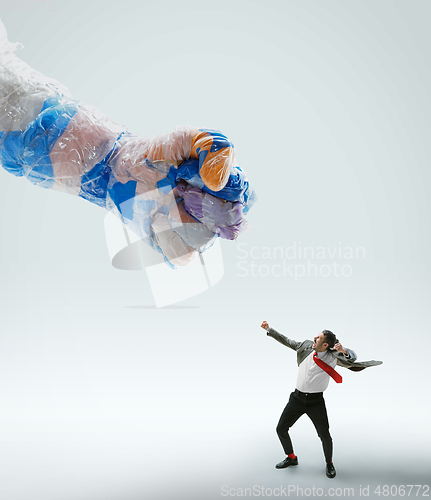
x: 348, y: 353
x: 293, y: 344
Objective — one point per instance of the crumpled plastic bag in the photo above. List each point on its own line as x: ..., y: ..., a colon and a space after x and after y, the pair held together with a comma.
x: 177, y: 191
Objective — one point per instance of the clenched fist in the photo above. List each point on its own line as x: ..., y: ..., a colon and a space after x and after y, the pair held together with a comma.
x: 338, y: 347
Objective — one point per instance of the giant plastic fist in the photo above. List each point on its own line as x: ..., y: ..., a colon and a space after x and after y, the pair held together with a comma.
x: 178, y: 191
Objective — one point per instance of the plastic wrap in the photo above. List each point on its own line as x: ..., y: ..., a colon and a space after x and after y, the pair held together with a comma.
x: 178, y: 191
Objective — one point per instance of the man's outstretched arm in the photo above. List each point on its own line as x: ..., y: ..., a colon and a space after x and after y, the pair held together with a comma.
x: 293, y: 344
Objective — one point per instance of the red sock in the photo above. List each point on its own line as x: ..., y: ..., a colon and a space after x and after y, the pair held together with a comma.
x: 292, y: 455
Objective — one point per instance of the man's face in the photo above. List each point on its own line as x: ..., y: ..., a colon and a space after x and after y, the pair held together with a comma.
x: 319, y: 344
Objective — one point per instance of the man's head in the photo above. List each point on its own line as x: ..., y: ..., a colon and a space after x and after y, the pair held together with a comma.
x: 326, y: 339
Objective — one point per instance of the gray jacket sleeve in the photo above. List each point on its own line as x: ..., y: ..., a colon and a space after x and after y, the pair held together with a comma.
x: 342, y: 359
x: 352, y: 354
x: 293, y: 344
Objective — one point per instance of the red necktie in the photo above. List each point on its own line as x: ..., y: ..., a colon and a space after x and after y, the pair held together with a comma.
x: 328, y: 369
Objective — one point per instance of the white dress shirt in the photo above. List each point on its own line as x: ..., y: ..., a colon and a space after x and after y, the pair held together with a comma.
x: 311, y: 378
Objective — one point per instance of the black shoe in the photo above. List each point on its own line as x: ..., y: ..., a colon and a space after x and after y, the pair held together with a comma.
x: 286, y: 462
x: 330, y: 470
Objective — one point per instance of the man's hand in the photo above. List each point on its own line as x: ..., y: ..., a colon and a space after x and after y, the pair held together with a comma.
x: 264, y: 325
x: 338, y: 347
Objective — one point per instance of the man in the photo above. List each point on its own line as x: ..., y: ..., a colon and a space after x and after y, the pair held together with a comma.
x: 316, y: 361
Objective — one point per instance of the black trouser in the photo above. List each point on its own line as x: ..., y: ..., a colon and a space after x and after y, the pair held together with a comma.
x: 314, y: 406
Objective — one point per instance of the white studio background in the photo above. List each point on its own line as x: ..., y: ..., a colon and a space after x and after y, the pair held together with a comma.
x: 102, y: 395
